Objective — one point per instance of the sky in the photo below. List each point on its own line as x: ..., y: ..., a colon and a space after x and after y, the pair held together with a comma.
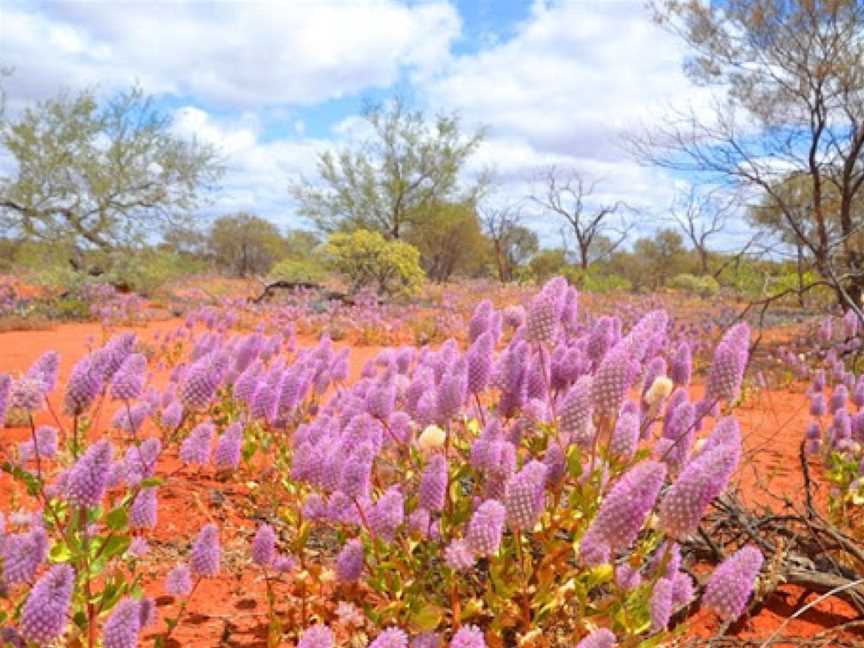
x: 273, y: 84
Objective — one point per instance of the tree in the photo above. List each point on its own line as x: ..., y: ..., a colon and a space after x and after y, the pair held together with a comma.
x: 700, y: 217
x: 245, y: 244
x: 653, y: 261
x: 512, y: 243
x: 548, y: 263
x: 388, y: 182
x: 450, y: 241
x: 99, y: 177
x: 564, y: 195
x: 792, y: 107
x: 300, y: 244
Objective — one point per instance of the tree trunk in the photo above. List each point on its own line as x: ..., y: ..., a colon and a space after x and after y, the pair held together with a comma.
x: 799, y: 269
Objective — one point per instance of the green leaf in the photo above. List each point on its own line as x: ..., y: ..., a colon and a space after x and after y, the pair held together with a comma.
x: 427, y: 618
x: 117, y: 519
x: 60, y: 552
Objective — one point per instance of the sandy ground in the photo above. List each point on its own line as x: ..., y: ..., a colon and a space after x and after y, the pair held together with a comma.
x: 231, y: 611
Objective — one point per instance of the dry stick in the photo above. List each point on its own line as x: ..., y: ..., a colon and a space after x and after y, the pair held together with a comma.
x: 816, y: 601
x: 182, y: 609
x: 35, y: 446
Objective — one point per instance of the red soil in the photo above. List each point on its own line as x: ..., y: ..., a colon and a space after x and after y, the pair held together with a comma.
x: 232, y: 610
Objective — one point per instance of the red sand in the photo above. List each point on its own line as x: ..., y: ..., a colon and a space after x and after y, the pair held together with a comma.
x: 232, y: 610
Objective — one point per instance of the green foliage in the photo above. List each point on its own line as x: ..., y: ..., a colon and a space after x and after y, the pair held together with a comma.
x: 548, y: 263
x: 369, y: 260
x: 388, y: 182
x: 99, y: 176
x: 597, y: 281
x: 146, y: 271
x: 245, y: 244
x: 450, y: 241
x: 703, y: 286
x: 298, y: 270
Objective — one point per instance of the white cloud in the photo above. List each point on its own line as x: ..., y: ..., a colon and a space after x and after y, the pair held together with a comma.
x: 257, y: 171
x: 247, y: 54
x: 572, y: 79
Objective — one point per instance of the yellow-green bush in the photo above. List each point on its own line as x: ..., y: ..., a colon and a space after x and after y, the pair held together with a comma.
x: 703, y: 286
x: 368, y: 260
x: 298, y: 270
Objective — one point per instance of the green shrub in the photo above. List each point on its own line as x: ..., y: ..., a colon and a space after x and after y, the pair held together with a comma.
x: 147, y: 271
x: 597, y: 282
x: 703, y: 286
x: 369, y: 260
x: 298, y: 270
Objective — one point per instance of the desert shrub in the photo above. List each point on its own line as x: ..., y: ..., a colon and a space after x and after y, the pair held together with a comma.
x: 597, y: 281
x: 368, y: 260
x: 704, y: 286
x: 298, y: 270
x: 547, y: 263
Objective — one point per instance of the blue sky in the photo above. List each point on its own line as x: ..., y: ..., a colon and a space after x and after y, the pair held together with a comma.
x: 275, y: 83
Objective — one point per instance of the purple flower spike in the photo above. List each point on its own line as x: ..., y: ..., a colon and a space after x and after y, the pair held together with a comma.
x: 390, y: 638
x: 727, y: 367
x: 485, y: 528
x: 433, y: 484
x: 661, y: 604
x: 22, y: 554
x: 613, y: 378
x: 27, y: 395
x: 142, y: 512
x: 681, y: 367
x: 206, y: 553
x: 45, y: 370
x: 576, y: 412
x: 732, y: 583
x: 387, y: 514
x: 228, y: 449
x: 128, y: 382
x: 87, y: 480
x: 523, y: 497
x: 469, y: 636
x: 179, y: 581
x: 5, y: 388
x: 459, y: 556
x: 318, y: 636
x: 479, y: 362
x: 195, y: 449
x: 172, y: 415
x: 199, y: 386
x: 623, y: 512
x: 600, y: 638
x: 123, y: 626
x: 349, y: 562
x: 426, y: 640
x: 625, y: 436
x: 83, y: 386
x: 701, y: 481
x: 44, y: 615
x: 452, y: 392
x: 264, y: 546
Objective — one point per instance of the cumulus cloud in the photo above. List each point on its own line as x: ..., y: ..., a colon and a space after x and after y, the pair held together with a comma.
x: 560, y: 87
x: 564, y: 89
x: 233, y: 54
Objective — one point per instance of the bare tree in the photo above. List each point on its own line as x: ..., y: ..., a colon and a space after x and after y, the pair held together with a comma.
x: 565, y: 194
x: 512, y: 243
x: 701, y: 216
x: 790, y: 108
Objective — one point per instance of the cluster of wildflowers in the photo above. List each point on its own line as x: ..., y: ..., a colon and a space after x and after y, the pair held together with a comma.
x: 835, y: 432
x: 457, y: 479
x: 541, y: 426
